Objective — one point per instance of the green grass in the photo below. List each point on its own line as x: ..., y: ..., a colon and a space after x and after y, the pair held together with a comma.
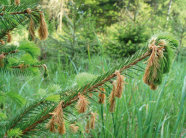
x: 140, y: 112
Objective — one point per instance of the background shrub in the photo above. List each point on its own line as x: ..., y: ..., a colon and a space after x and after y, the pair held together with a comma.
x: 126, y: 40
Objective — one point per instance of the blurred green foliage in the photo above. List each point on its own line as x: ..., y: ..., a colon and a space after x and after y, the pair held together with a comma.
x: 29, y: 47
x: 114, y: 28
x: 14, y: 133
x: 126, y: 40
x: 27, y: 55
x: 84, y: 78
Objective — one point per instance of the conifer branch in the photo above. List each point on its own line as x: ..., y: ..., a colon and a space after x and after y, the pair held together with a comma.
x: 121, y: 70
x: 84, y: 91
x: 25, y: 112
x: 36, y: 123
x: 12, y: 17
x: 108, y: 78
x: 16, y: 13
x: 74, y: 94
x: 92, y: 87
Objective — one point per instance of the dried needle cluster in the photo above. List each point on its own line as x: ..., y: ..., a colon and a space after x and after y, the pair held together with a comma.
x: 117, y: 89
x: 57, y: 120
x: 2, y: 56
x: 112, y: 97
x: 120, y: 84
x: 102, y: 96
x: 32, y: 28
x: 154, y: 69
x: 42, y: 31
x: 9, y: 39
x: 82, y: 103
x: 91, y: 123
x: 17, y: 2
x: 74, y: 128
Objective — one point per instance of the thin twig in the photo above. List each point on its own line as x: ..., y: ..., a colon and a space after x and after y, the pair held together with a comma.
x: 17, y: 13
x: 11, y: 52
x: 22, y: 66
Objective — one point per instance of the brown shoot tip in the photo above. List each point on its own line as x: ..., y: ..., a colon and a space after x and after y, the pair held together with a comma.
x: 43, y: 30
x: 112, y: 97
x: 120, y: 84
x: 73, y: 128
x: 17, y: 2
x: 102, y: 96
x: 51, y: 125
x: 9, y: 37
x: 93, y: 120
x: 82, y: 103
x: 153, y: 87
x: 61, y: 128
x: 87, y: 128
x: 2, y: 42
x: 57, y: 119
x: 32, y: 29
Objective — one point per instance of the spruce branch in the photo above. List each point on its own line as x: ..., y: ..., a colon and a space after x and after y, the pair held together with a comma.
x: 13, y: 16
x: 121, y: 70
x: 25, y: 112
x: 84, y: 91
x: 92, y: 88
x: 36, y: 123
x: 69, y: 97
